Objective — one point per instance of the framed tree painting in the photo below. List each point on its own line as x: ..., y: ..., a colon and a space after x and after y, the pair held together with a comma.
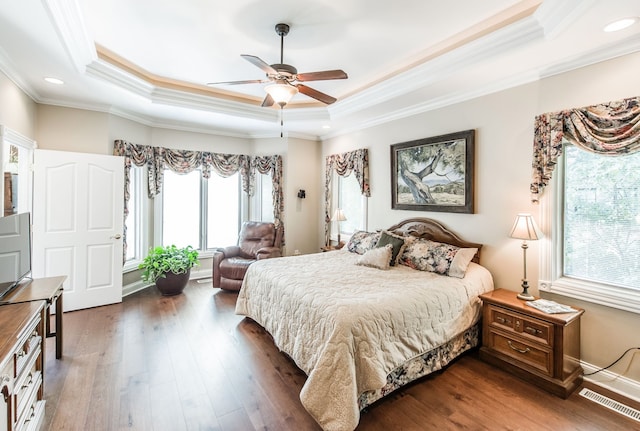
x: 434, y: 174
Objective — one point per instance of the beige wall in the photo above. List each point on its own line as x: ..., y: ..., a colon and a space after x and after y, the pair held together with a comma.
x: 504, y: 134
x: 17, y: 110
x: 301, y: 163
x: 67, y: 129
x: 301, y: 215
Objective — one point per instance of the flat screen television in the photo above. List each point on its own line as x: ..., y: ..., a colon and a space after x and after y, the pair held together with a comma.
x: 15, y: 251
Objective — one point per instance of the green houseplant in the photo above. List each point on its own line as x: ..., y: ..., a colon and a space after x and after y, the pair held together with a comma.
x: 169, y: 267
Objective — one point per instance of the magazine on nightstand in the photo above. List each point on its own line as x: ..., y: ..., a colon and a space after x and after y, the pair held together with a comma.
x: 550, y: 307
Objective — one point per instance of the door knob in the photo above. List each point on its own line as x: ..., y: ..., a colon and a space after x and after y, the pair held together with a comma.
x: 116, y: 236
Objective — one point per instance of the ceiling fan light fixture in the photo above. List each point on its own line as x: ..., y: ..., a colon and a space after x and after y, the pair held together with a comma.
x: 281, y: 92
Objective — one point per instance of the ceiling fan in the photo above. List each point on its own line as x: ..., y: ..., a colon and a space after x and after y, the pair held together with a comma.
x: 285, y: 79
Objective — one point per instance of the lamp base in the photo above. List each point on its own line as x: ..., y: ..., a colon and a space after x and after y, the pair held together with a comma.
x: 525, y: 296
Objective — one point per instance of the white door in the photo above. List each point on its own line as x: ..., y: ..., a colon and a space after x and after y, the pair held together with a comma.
x: 77, y: 225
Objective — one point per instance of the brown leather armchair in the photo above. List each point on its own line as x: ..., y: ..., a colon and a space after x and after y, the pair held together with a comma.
x: 256, y: 241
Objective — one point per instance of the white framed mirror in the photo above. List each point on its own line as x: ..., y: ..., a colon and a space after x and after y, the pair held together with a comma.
x: 16, y: 159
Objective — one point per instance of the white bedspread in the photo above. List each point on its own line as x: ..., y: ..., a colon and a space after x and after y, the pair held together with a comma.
x: 347, y: 326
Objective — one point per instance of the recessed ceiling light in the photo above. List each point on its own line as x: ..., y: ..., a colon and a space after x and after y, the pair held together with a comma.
x: 326, y: 126
x: 620, y: 24
x: 55, y: 81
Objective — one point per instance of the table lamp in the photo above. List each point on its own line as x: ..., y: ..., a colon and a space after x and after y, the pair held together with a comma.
x: 525, y: 228
x: 338, y: 216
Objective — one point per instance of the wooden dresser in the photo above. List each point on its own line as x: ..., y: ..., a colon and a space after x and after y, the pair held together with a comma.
x: 540, y: 348
x: 21, y: 366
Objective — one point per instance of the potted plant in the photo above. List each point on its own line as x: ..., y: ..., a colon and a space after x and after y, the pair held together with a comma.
x: 169, y: 268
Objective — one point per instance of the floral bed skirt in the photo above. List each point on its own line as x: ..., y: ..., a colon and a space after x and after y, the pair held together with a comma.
x: 424, y: 364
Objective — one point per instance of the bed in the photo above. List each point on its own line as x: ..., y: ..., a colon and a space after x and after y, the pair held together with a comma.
x: 360, y: 332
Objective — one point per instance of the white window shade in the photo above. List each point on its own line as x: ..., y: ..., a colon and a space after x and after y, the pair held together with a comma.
x: 601, y: 218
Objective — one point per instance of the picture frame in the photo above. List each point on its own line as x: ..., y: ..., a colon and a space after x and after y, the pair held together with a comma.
x: 434, y: 174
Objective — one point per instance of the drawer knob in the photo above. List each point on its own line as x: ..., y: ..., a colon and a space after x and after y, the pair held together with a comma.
x: 526, y: 350
x: 4, y: 382
x: 503, y: 320
x: 28, y: 382
x: 532, y: 331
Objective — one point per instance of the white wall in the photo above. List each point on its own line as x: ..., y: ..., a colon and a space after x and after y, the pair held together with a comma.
x: 504, y: 135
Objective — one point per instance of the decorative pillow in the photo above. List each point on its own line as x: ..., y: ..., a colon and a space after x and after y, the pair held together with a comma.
x: 445, y: 259
x: 397, y: 241
x: 361, y: 241
x: 378, y: 257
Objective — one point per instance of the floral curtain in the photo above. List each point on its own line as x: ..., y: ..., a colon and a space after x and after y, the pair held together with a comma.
x: 609, y: 129
x: 344, y: 164
x: 184, y: 161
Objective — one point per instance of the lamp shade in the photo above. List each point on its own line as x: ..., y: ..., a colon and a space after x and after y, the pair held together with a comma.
x: 338, y: 215
x: 281, y: 92
x: 525, y: 228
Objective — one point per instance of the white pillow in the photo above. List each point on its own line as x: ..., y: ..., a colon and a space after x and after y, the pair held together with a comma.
x: 377, y: 257
x: 461, y: 261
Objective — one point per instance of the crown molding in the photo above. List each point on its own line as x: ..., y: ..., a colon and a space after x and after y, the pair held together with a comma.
x: 12, y: 137
x: 7, y: 67
x: 510, y: 37
x: 555, y: 16
x: 604, y: 53
x: 69, y: 24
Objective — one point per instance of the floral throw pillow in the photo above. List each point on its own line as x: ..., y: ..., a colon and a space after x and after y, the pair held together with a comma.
x: 361, y: 241
x: 431, y: 256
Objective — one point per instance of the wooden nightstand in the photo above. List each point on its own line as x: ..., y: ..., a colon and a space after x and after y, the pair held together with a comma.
x: 332, y: 247
x: 540, y: 348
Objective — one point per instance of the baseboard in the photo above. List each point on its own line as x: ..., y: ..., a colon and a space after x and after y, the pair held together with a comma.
x: 613, y: 382
x: 132, y: 288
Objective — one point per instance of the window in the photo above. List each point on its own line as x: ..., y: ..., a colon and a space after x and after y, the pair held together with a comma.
x: 602, y: 218
x: 596, y: 229
x: 261, y: 203
x: 181, y: 209
x: 223, y: 210
x: 131, y: 223
x: 347, y: 196
x: 136, y: 222
x: 266, y: 198
x: 203, y: 213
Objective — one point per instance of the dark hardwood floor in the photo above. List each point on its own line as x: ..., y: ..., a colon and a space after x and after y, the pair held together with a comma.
x: 189, y: 363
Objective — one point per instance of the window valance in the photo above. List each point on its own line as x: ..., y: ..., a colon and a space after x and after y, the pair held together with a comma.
x: 156, y: 159
x: 609, y: 129
x: 344, y: 164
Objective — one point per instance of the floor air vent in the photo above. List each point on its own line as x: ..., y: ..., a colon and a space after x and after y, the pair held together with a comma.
x: 611, y: 404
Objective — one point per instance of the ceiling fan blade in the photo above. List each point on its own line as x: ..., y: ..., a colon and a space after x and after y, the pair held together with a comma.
x: 257, y: 61
x: 318, y: 95
x: 249, y: 81
x: 268, y: 101
x: 322, y: 76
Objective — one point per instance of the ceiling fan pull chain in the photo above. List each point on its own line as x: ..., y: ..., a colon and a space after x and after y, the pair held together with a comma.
x: 281, y: 121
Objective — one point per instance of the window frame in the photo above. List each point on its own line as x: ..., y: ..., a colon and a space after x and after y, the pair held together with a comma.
x: 551, y: 277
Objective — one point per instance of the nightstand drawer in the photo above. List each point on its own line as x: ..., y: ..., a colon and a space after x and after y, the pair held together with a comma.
x: 539, y: 358
x: 534, y: 329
